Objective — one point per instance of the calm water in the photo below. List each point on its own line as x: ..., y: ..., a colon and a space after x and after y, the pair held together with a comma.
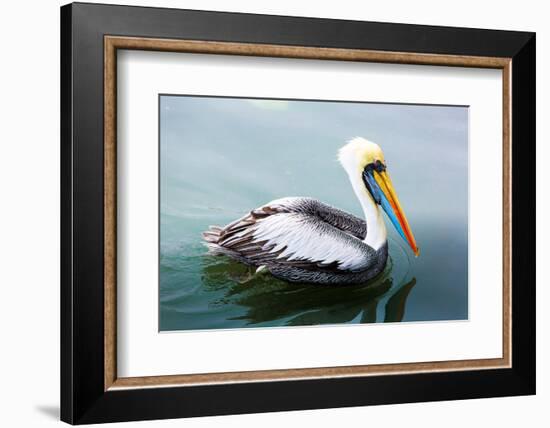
x: 222, y: 157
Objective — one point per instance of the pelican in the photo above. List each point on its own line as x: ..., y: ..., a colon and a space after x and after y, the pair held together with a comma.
x: 300, y: 239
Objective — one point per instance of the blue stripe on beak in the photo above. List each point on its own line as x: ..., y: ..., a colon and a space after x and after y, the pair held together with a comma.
x: 380, y: 198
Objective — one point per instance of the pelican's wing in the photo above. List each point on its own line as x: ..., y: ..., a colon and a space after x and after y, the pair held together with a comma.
x: 342, y: 220
x: 276, y: 234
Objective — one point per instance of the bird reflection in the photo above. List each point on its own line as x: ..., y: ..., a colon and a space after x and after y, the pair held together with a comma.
x: 266, y: 299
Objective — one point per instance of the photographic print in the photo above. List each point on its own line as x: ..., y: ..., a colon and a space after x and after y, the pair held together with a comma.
x: 281, y: 212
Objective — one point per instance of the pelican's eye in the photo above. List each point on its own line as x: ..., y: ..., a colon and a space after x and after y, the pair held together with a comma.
x: 379, y: 166
x: 375, y: 166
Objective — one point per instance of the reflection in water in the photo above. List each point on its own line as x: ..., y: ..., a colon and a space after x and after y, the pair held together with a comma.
x: 199, y: 291
x: 266, y: 299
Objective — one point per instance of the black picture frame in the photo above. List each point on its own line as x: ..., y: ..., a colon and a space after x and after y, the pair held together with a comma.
x: 83, y: 398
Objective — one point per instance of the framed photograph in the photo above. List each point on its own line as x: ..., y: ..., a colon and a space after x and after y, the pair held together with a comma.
x: 266, y: 213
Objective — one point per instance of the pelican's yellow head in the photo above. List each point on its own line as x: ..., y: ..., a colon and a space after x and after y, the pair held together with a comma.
x: 358, y: 153
x: 365, y: 159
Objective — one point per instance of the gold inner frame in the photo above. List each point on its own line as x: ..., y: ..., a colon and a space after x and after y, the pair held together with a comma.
x: 113, y: 43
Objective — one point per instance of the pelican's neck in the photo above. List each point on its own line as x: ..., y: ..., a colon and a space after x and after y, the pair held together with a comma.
x: 376, y: 228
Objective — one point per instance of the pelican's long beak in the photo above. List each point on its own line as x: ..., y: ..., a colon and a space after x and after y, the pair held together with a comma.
x: 392, y: 207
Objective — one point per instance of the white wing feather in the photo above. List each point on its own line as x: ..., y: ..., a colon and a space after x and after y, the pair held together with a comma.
x: 302, y: 240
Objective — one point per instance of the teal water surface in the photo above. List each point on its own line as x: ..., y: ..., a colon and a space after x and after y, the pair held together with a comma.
x: 221, y: 157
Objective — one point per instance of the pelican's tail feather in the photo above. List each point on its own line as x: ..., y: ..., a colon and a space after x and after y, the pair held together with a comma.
x: 212, y: 239
x: 212, y: 235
